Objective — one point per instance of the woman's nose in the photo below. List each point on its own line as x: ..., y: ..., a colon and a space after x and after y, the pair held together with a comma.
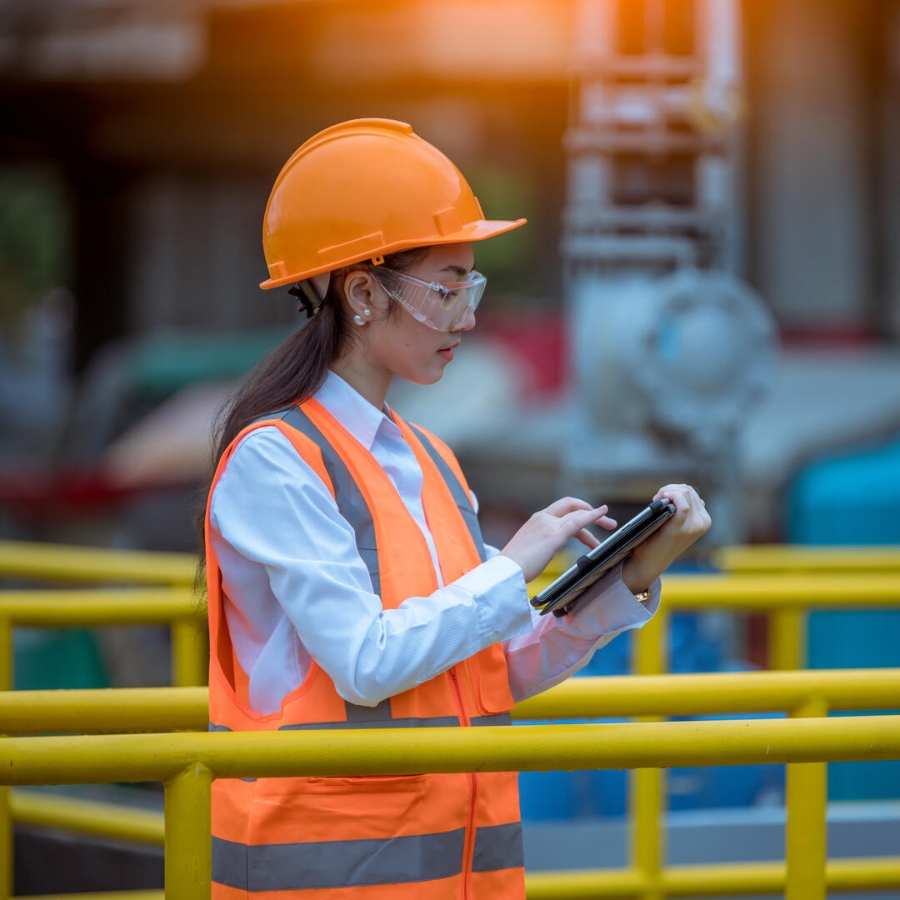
x: 468, y: 323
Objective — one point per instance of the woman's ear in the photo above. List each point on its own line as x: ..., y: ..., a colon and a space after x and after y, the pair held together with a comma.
x: 359, y: 289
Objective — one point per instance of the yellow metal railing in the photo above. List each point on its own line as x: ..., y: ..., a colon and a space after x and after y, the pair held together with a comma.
x: 119, y: 602
x: 784, y: 586
x: 167, y: 708
x: 187, y: 763
x: 798, y: 558
x: 171, y: 602
x: 175, y: 607
x: 60, y: 562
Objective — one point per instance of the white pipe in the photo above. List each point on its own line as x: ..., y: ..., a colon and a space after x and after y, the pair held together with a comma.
x: 723, y: 43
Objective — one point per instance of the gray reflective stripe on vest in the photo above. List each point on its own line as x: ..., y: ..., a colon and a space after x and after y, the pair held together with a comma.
x: 460, y: 495
x: 429, y: 722
x: 498, y: 847
x: 410, y: 722
x: 348, y: 496
x: 338, y: 864
x: 425, y: 722
x: 496, y: 719
x: 367, y: 715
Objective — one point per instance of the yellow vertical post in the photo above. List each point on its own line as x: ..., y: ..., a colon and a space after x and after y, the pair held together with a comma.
x: 648, y: 785
x: 806, y: 829
x: 6, y: 655
x: 6, y: 844
x: 187, y: 843
x: 787, y: 641
x: 649, y: 656
x: 6, y: 826
x: 647, y: 839
x: 189, y: 653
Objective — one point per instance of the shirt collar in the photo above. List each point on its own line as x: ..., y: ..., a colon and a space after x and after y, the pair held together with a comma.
x: 351, y: 409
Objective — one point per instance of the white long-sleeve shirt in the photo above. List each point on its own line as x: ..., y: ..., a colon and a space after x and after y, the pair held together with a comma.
x: 296, y: 589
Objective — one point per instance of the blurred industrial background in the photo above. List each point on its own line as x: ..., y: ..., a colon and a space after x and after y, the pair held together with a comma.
x: 708, y: 288
x: 709, y: 284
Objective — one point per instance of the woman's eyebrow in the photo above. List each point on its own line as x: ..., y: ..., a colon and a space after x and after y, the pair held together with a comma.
x: 456, y: 270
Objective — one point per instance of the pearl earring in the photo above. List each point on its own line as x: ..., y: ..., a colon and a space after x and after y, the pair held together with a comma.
x: 359, y: 320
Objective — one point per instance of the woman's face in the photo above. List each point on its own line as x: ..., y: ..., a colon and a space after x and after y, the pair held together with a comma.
x: 393, y: 342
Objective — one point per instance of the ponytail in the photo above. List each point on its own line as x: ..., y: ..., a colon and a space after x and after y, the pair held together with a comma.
x: 295, y: 369
x: 292, y: 372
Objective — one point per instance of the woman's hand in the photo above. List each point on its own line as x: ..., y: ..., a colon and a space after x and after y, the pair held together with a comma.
x: 546, y: 532
x: 689, y: 522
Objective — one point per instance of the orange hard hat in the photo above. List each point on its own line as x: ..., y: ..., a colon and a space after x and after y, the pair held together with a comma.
x: 363, y: 189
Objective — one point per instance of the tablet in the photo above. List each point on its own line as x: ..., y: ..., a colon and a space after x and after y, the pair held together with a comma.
x: 560, y: 596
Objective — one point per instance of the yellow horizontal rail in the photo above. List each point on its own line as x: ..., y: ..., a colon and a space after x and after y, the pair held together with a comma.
x: 713, y: 693
x: 160, y: 757
x: 792, y: 557
x: 584, y: 885
x: 105, y: 820
x: 60, y: 562
x: 100, y: 606
x: 187, y: 763
x: 759, y: 592
x: 746, y: 592
x: 868, y: 874
x: 117, y: 823
x: 874, y: 873
x: 185, y: 708
x: 57, y: 562
x: 94, y: 710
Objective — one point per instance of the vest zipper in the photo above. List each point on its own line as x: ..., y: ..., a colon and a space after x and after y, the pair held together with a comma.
x: 469, y: 847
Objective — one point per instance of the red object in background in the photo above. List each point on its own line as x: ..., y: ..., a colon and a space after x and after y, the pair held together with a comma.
x: 538, y: 340
x: 34, y: 493
x: 757, y: 638
x: 835, y: 336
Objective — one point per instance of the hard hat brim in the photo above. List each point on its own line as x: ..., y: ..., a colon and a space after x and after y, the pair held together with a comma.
x: 474, y: 231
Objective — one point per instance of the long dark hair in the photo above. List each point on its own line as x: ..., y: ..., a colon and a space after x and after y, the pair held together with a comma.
x: 296, y: 368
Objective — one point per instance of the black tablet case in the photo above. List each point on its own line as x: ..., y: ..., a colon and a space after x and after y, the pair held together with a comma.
x: 560, y: 597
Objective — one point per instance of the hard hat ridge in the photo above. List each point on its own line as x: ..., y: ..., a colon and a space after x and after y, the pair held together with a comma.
x: 363, y: 189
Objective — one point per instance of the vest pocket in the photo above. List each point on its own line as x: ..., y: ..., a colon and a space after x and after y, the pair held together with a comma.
x: 313, y: 810
x: 490, y: 678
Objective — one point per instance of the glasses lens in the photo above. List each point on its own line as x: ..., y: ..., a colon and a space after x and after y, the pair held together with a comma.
x: 442, y: 306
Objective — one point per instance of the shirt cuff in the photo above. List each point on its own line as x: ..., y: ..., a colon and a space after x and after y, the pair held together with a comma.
x: 610, y: 607
x: 501, y: 597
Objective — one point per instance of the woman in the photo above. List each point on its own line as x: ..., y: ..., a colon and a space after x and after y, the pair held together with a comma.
x: 348, y: 582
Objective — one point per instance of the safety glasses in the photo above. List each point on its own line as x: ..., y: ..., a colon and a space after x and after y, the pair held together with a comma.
x: 443, y: 307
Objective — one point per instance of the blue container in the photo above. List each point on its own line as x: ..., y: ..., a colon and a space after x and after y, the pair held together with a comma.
x: 547, y: 796
x: 852, y: 499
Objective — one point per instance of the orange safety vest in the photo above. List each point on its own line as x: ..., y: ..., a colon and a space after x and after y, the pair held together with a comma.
x: 406, y: 837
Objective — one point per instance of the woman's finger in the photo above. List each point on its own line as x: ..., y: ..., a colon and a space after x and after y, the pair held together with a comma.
x: 566, y: 505
x: 589, y: 517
